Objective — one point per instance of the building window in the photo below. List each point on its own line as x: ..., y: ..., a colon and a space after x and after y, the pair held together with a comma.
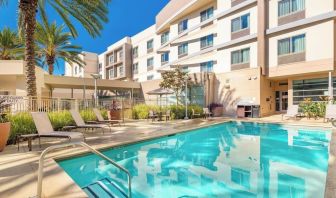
x: 135, y: 68
x: 121, y: 71
x: 183, y: 49
x: 111, y: 59
x: 295, y: 44
x: 185, y: 69
x: 240, y: 56
x: 135, y: 52
x: 182, y: 26
x: 207, y: 66
x: 150, y: 64
x: 164, y: 37
x: 100, y: 67
x: 121, y: 54
x: 207, y: 41
x: 240, y: 23
x: 287, y: 7
x: 150, y: 44
x: 76, y: 70
x: 150, y: 77
x: 207, y: 14
x: 165, y: 57
x: 111, y: 73
x: 316, y: 89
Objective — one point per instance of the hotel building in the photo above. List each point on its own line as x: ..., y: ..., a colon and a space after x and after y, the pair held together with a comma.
x: 270, y: 53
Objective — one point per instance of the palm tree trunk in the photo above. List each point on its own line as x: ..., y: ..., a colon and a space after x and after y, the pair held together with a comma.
x: 28, y: 9
x: 51, y: 69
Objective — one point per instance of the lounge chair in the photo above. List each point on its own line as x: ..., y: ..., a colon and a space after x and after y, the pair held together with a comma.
x: 81, y: 124
x: 292, y: 112
x: 330, y: 113
x: 194, y: 114
x: 45, y: 129
x: 206, y: 113
x: 102, y: 120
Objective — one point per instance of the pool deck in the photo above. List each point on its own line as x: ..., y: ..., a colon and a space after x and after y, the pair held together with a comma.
x: 18, y: 169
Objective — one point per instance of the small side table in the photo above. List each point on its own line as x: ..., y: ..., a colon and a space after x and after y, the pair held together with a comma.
x: 29, y: 137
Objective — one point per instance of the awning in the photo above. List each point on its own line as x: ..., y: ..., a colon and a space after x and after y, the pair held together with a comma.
x: 196, y: 60
x: 196, y: 34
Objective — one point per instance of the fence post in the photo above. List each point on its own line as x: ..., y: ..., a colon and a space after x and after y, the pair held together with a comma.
x: 76, y: 104
x: 58, y: 104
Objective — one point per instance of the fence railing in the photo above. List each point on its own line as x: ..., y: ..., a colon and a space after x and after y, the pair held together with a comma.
x: 27, y: 104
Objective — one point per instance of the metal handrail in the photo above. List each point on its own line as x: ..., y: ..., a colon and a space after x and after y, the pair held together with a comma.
x: 47, y: 150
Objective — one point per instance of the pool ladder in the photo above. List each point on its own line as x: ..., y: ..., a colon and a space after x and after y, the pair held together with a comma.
x: 87, y: 189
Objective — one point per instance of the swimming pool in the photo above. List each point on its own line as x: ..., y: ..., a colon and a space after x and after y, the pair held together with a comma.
x: 233, y: 159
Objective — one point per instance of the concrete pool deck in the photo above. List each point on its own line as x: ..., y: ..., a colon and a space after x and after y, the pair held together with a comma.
x: 18, y: 169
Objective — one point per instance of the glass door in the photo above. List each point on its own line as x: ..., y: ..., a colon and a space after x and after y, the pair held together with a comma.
x: 281, y: 101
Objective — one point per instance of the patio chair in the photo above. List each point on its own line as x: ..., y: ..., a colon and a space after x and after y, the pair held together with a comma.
x: 330, y: 113
x: 152, y: 115
x: 167, y: 115
x: 45, y: 129
x: 102, y: 120
x: 81, y: 124
x: 292, y: 112
x: 194, y: 114
x: 206, y: 113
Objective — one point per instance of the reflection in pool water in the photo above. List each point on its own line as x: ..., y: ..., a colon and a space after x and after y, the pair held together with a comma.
x: 227, y: 160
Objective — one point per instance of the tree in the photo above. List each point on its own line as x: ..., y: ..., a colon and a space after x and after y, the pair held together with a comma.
x: 89, y: 13
x: 174, y: 80
x: 53, y: 43
x: 11, y: 47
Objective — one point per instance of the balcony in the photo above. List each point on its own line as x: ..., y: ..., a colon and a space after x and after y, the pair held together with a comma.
x: 176, y: 9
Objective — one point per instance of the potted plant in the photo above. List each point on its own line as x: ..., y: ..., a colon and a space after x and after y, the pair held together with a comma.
x: 4, y: 125
x: 216, y: 109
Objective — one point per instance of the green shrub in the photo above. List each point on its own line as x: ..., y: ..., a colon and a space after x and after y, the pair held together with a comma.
x: 21, y: 123
x: 177, y: 111
x: 141, y: 111
x: 88, y: 115
x: 104, y: 113
x: 313, y: 109
x: 59, y: 119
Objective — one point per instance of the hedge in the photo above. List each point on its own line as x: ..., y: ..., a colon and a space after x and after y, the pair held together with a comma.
x: 141, y: 111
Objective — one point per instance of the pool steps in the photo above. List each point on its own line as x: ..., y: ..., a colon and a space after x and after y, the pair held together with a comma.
x: 104, y: 188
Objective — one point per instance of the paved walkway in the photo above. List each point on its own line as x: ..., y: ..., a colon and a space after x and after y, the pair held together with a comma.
x: 18, y: 170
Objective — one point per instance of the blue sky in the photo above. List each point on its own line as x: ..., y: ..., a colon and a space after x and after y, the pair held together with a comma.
x: 126, y: 18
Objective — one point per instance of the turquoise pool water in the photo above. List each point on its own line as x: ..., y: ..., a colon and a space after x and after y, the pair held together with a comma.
x: 234, y: 159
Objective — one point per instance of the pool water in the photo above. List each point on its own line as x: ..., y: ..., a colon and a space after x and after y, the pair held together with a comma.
x: 233, y: 159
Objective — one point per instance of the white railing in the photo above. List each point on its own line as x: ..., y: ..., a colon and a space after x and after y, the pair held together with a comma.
x: 27, y: 104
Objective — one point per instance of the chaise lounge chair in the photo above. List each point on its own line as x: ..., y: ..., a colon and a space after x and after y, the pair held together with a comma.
x: 330, y: 113
x: 45, y: 129
x: 102, y: 120
x: 292, y: 112
x: 81, y: 124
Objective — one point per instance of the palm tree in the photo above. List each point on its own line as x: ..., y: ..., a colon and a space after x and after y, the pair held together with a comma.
x: 90, y: 13
x: 53, y: 43
x: 10, y: 45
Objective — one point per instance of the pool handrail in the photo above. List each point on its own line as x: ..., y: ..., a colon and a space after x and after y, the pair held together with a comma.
x: 92, y: 150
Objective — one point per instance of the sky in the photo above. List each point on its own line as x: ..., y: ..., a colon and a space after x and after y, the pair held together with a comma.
x: 126, y: 18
